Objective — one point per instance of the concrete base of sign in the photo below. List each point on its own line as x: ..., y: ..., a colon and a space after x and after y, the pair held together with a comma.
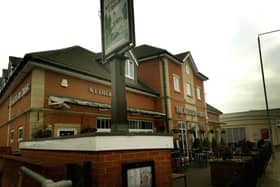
x: 107, y: 154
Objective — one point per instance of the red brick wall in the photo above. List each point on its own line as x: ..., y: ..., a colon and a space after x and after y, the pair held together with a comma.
x: 174, y: 68
x: 4, y: 111
x: 77, y: 88
x: 24, y: 103
x: 149, y: 72
x: 22, y: 121
x: 106, y: 166
x: 140, y: 101
x: 3, y: 135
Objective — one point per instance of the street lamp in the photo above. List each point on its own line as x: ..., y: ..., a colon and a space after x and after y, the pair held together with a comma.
x: 263, y: 79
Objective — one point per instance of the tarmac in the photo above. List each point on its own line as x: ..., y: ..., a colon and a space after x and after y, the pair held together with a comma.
x: 198, y: 175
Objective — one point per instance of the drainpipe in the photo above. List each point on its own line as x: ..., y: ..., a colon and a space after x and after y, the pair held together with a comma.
x: 165, y: 95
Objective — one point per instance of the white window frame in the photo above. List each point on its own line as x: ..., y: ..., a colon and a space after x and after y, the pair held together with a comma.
x: 103, y: 129
x: 129, y: 69
x: 66, y: 129
x: 137, y: 126
x: 181, y: 125
x: 188, y: 89
x: 22, y: 134
x: 198, y: 93
x: 12, y: 137
x: 176, y: 82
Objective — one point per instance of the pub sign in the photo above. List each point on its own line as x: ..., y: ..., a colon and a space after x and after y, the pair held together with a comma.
x: 117, y: 27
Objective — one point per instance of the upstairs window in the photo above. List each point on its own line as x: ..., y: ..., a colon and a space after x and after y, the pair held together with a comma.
x: 176, y: 82
x: 129, y: 69
x: 188, y: 89
x: 198, y: 93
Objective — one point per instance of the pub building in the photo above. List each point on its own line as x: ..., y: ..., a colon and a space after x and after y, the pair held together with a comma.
x: 67, y: 92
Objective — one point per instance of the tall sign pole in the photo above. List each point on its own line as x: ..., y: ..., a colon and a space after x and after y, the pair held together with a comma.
x: 264, y: 85
x: 117, y: 26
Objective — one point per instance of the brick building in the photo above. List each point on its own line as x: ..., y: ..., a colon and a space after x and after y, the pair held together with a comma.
x: 252, y: 126
x: 214, y: 123
x: 68, y: 92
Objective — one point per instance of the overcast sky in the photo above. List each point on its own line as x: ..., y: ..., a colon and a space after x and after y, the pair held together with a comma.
x: 221, y: 35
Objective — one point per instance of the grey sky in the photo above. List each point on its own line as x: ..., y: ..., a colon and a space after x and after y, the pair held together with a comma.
x: 221, y: 35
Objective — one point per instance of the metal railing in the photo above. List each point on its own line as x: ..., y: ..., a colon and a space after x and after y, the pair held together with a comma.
x: 45, y: 182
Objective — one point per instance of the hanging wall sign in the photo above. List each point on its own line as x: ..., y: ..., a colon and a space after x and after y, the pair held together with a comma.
x: 117, y: 27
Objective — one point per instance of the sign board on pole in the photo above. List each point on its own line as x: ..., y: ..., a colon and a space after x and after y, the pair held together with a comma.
x: 117, y: 27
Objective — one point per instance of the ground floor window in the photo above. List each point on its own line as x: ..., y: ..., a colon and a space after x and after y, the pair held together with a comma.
x: 140, y: 126
x: 234, y: 135
x: 12, y: 133
x: 66, y: 131
x: 103, y: 124
x: 20, y: 133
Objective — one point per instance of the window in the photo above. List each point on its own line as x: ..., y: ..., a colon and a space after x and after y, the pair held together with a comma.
x: 12, y: 133
x: 103, y: 124
x: 176, y: 82
x: 198, y: 93
x: 188, y: 89
x: 187, y: 69
x: 129, y: 69
x: 66, y: 131
x: 181, y: 125
x: 234, y: 135
x: 140, y: 126
x: 20, y: 133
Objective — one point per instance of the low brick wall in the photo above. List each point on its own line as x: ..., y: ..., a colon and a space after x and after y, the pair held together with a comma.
x: 106, y: 165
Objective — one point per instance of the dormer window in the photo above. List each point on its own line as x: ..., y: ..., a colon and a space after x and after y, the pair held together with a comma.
x: 129, y: 69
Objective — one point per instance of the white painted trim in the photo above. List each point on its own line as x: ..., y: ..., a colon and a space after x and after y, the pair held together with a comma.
x: 103, y: 130
x: 101, y: 143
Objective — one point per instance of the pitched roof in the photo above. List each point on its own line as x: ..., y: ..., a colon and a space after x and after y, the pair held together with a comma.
x: 185, y: 55
x: 14, y: 60
x: 73, y: 58
x: 144, y: 51
x: 213, y: 109
x: 83, y: 61
x: 147, y: 51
